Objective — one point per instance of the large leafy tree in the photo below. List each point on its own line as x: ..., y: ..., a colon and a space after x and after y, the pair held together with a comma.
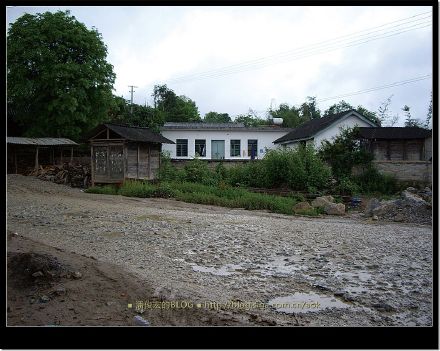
x: 309, y: 109
x: 173, y: 107
x: 58, y: 80
x: 215, y: 117
x: 291, y: 115
x: 135, y: 115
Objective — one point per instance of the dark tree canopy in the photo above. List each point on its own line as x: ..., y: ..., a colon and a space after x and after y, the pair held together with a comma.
x: 342, y: 106
x: 135, y: 115
x: 291, y: 115
x: 174, y: 108
x: 215, y: 117
x: 59, y: 82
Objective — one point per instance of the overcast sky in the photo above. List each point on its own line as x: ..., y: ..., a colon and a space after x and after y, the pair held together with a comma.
x: 236, y: 58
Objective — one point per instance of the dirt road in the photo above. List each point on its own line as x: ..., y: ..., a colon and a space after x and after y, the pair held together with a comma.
x: 230, y: 266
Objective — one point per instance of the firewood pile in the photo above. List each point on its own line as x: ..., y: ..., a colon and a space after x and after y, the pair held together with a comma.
x: 77, y: 176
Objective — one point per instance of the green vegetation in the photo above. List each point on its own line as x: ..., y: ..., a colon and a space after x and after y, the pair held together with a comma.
x: 220, y: 195
x: 59, y: 80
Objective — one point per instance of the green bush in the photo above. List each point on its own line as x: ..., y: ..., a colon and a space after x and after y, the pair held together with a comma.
x: 197, y: 171
x: 346, y: 186
x: 371, y: 181
x: 106, y: 190
x: 166, y: 170
x: 133, y: 188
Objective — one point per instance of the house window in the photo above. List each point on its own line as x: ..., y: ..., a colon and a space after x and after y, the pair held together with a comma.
x: 200, y: 148
x: 252, y: 148
x: 235, y: 148
x: 182, y: 147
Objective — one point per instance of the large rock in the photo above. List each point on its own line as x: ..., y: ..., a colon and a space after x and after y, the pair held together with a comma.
x: 322, y: 201
x: 413, y: 198
x: 371, y: 205
x: 302, y: 206
x: 334, y: 209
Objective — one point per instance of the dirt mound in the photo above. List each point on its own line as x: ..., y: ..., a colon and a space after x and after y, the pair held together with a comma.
x: 30, y: 269
x: 412, y: 207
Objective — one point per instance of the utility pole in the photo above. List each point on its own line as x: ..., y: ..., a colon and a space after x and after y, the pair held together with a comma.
x: 131, y: 100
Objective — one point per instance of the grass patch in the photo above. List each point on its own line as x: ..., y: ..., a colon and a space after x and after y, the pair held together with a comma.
x: 106, y: 190
x: 221, y: 195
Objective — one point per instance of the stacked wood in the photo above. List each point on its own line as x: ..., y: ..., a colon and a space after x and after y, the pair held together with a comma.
x: 77, y: 176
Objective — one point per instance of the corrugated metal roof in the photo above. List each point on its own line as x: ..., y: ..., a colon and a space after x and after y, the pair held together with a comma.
x: 394, y: 133
x: 218, y: 126
x: 40, y: 141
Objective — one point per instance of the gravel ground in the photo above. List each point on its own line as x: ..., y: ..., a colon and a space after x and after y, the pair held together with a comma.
x: 300, y: 271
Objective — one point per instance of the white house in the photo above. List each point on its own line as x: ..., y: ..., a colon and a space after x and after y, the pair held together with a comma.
x: 325, y: 128
x: 230, y: 141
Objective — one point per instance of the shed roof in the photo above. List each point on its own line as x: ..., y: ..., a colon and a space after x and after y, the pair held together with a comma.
x: 219, y: 126
x: 40, y: 141
x: 140, y: 134
x: 394, y: 133
x: 312, y: 127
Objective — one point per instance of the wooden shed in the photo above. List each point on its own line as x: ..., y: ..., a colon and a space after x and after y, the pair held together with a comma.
x: 121, y: 152
x: 27, y: 152
x: 397, y: 143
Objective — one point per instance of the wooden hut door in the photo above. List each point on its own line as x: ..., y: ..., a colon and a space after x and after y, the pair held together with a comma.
x: 116, y: 162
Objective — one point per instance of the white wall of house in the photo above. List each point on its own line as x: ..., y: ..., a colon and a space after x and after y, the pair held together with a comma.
x: 265, y: 140
x: 335, y: 129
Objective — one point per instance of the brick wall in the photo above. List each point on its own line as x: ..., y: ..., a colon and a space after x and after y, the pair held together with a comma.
x: 419, y: 171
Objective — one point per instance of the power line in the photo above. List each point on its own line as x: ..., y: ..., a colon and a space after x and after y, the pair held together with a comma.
x: 391, y: 85
x: 303, y: 55
x: 368, y: 90
x: 307, y: 48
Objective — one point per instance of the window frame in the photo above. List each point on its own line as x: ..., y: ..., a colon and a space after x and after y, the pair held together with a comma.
x: 179, y: 143
x: 256, y: 149
x: 231, y: 148
x: 195, y: 147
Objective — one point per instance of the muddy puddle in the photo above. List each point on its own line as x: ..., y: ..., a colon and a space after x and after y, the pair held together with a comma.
x: 306, y: 302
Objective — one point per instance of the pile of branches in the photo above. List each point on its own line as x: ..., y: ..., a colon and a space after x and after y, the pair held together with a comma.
x: 77, y: 176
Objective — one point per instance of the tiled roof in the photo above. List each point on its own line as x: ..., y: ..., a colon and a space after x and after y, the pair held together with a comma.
x: 394, y: 133
x: 310, y: 128
x: 219, y: 126
x: 140, y: 134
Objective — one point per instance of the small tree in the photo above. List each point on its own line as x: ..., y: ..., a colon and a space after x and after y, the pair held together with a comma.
x: 344, y: 152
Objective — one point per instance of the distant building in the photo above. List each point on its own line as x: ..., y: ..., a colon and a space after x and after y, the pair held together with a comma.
x: 319, y: 129
x: 220, y: 141
x: 403, y: 152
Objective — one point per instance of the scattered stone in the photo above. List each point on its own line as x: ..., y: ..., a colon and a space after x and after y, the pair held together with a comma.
x: 138, y: 320
x: 375, y: 218
x: 302, y: 206
x: 399, y: 217
x: 416, y: 199
x: 371, y: 205
x: 383, y: 307
x: 77, y: 275
x: 339, y: 293
x: 44, y: 299
x: 37, y: 274
x: 61, y: 290
x: 411, y: 189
